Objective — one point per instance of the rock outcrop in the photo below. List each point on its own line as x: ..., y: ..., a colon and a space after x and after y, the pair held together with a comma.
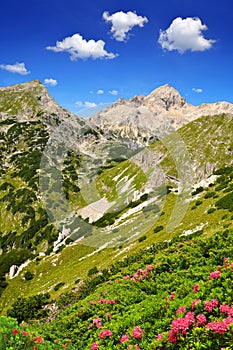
x: 13, y: 271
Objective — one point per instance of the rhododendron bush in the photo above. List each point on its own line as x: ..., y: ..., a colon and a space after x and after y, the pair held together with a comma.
x: 177, y: 297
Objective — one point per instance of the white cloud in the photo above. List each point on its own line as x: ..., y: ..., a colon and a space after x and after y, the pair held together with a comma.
x: 18, y: 68
x: 113, y: 92
x: 197, y: 90
x: 50, y: 82
x: 100, y: 92
x: 123, y: 22
x: 78, y: 47
x: 185, y: 34
x: 86, y: 104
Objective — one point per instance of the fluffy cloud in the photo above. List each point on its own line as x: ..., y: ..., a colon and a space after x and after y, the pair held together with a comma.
x: 50, y: 81
x: 86, y: 104
x: 185, y: 34
x: 18, y: 68
x: 100, y: 92
x: 197, y: 90
x: 78, y: 47
x: 113, y: 92
x: 123, y: 22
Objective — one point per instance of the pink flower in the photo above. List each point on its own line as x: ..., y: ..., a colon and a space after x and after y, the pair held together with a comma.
x: 224, y: 309
x: 126, y: 277
x: 209, y: 305
x: 25, y: 333
x: 124, y: 338
x: 194, y: 303
x: 220, y: 326
x: 94, y: 346
x: 137, y: 347
x: 108, y: 315
x: 189, y: 318
x: 38, y: 339
x: 180, y: 310
x: 215, y: 274
x: 97, y: 322
x: 172, y: 337
x: 172, y: 296
x: 196, y: 288
x: 159, y: 336
x: 105, y: 333
x: 201, y: 319
x: 15, y: 331
x: 137, y: 332
x: 230, y: 311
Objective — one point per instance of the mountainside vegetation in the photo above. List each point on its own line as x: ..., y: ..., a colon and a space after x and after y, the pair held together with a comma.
x: 113, y: 274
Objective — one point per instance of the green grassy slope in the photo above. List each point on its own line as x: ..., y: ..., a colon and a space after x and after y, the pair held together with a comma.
x: 32, y: 229
x: 174, y: 295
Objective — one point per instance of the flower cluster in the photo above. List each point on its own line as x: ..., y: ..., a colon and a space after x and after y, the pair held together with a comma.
x: 209, y: 305
x: 137, y: 332
x: 220, y: 326
x: 141, y: 274
x: 215, y: 274
x: 180, y: 326
x: 105, y: 333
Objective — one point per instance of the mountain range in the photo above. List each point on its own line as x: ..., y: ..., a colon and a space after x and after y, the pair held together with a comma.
x: 80, y: 194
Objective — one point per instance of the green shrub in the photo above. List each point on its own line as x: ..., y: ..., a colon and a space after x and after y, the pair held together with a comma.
x: 225, y: 202
x: 211, y: 210
x: 209, y: 195
x: 28, y: 276
x: 141, y: 239
x: 92, y: 271
x: 58, y: 286
x: 197, y: 190
x: 25, y: 309
x: 158, y: 228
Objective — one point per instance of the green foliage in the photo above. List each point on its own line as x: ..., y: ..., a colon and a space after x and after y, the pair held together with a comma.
x: 209, y: 195
x: 58, y: 286
x: 28, y: 275
x: 93, y: 271
x: 224, y: 170
x: 225, y: 202
x: 211, y: 210
x: 19, y: 337
x: 142, y: 238
x: 25, y: 309
x: 158, y: 228
x: 147, y: 290
x: 198, y: 190
x: 14, y: 257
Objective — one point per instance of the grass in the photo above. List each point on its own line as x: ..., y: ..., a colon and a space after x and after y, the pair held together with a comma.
x: 196, y: 136
x: 68, y: 267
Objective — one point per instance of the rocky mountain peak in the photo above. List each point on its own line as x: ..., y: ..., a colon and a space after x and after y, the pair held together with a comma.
x: 166, y: 97
x: 29, y: 100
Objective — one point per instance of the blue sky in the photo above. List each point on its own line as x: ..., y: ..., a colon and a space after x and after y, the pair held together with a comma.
x: 93, y: 52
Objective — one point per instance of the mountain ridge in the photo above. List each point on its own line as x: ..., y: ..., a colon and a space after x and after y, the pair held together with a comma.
x: 146, y: 117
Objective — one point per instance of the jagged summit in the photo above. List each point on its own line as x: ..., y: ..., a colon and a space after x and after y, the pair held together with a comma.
x: 166, y: 97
